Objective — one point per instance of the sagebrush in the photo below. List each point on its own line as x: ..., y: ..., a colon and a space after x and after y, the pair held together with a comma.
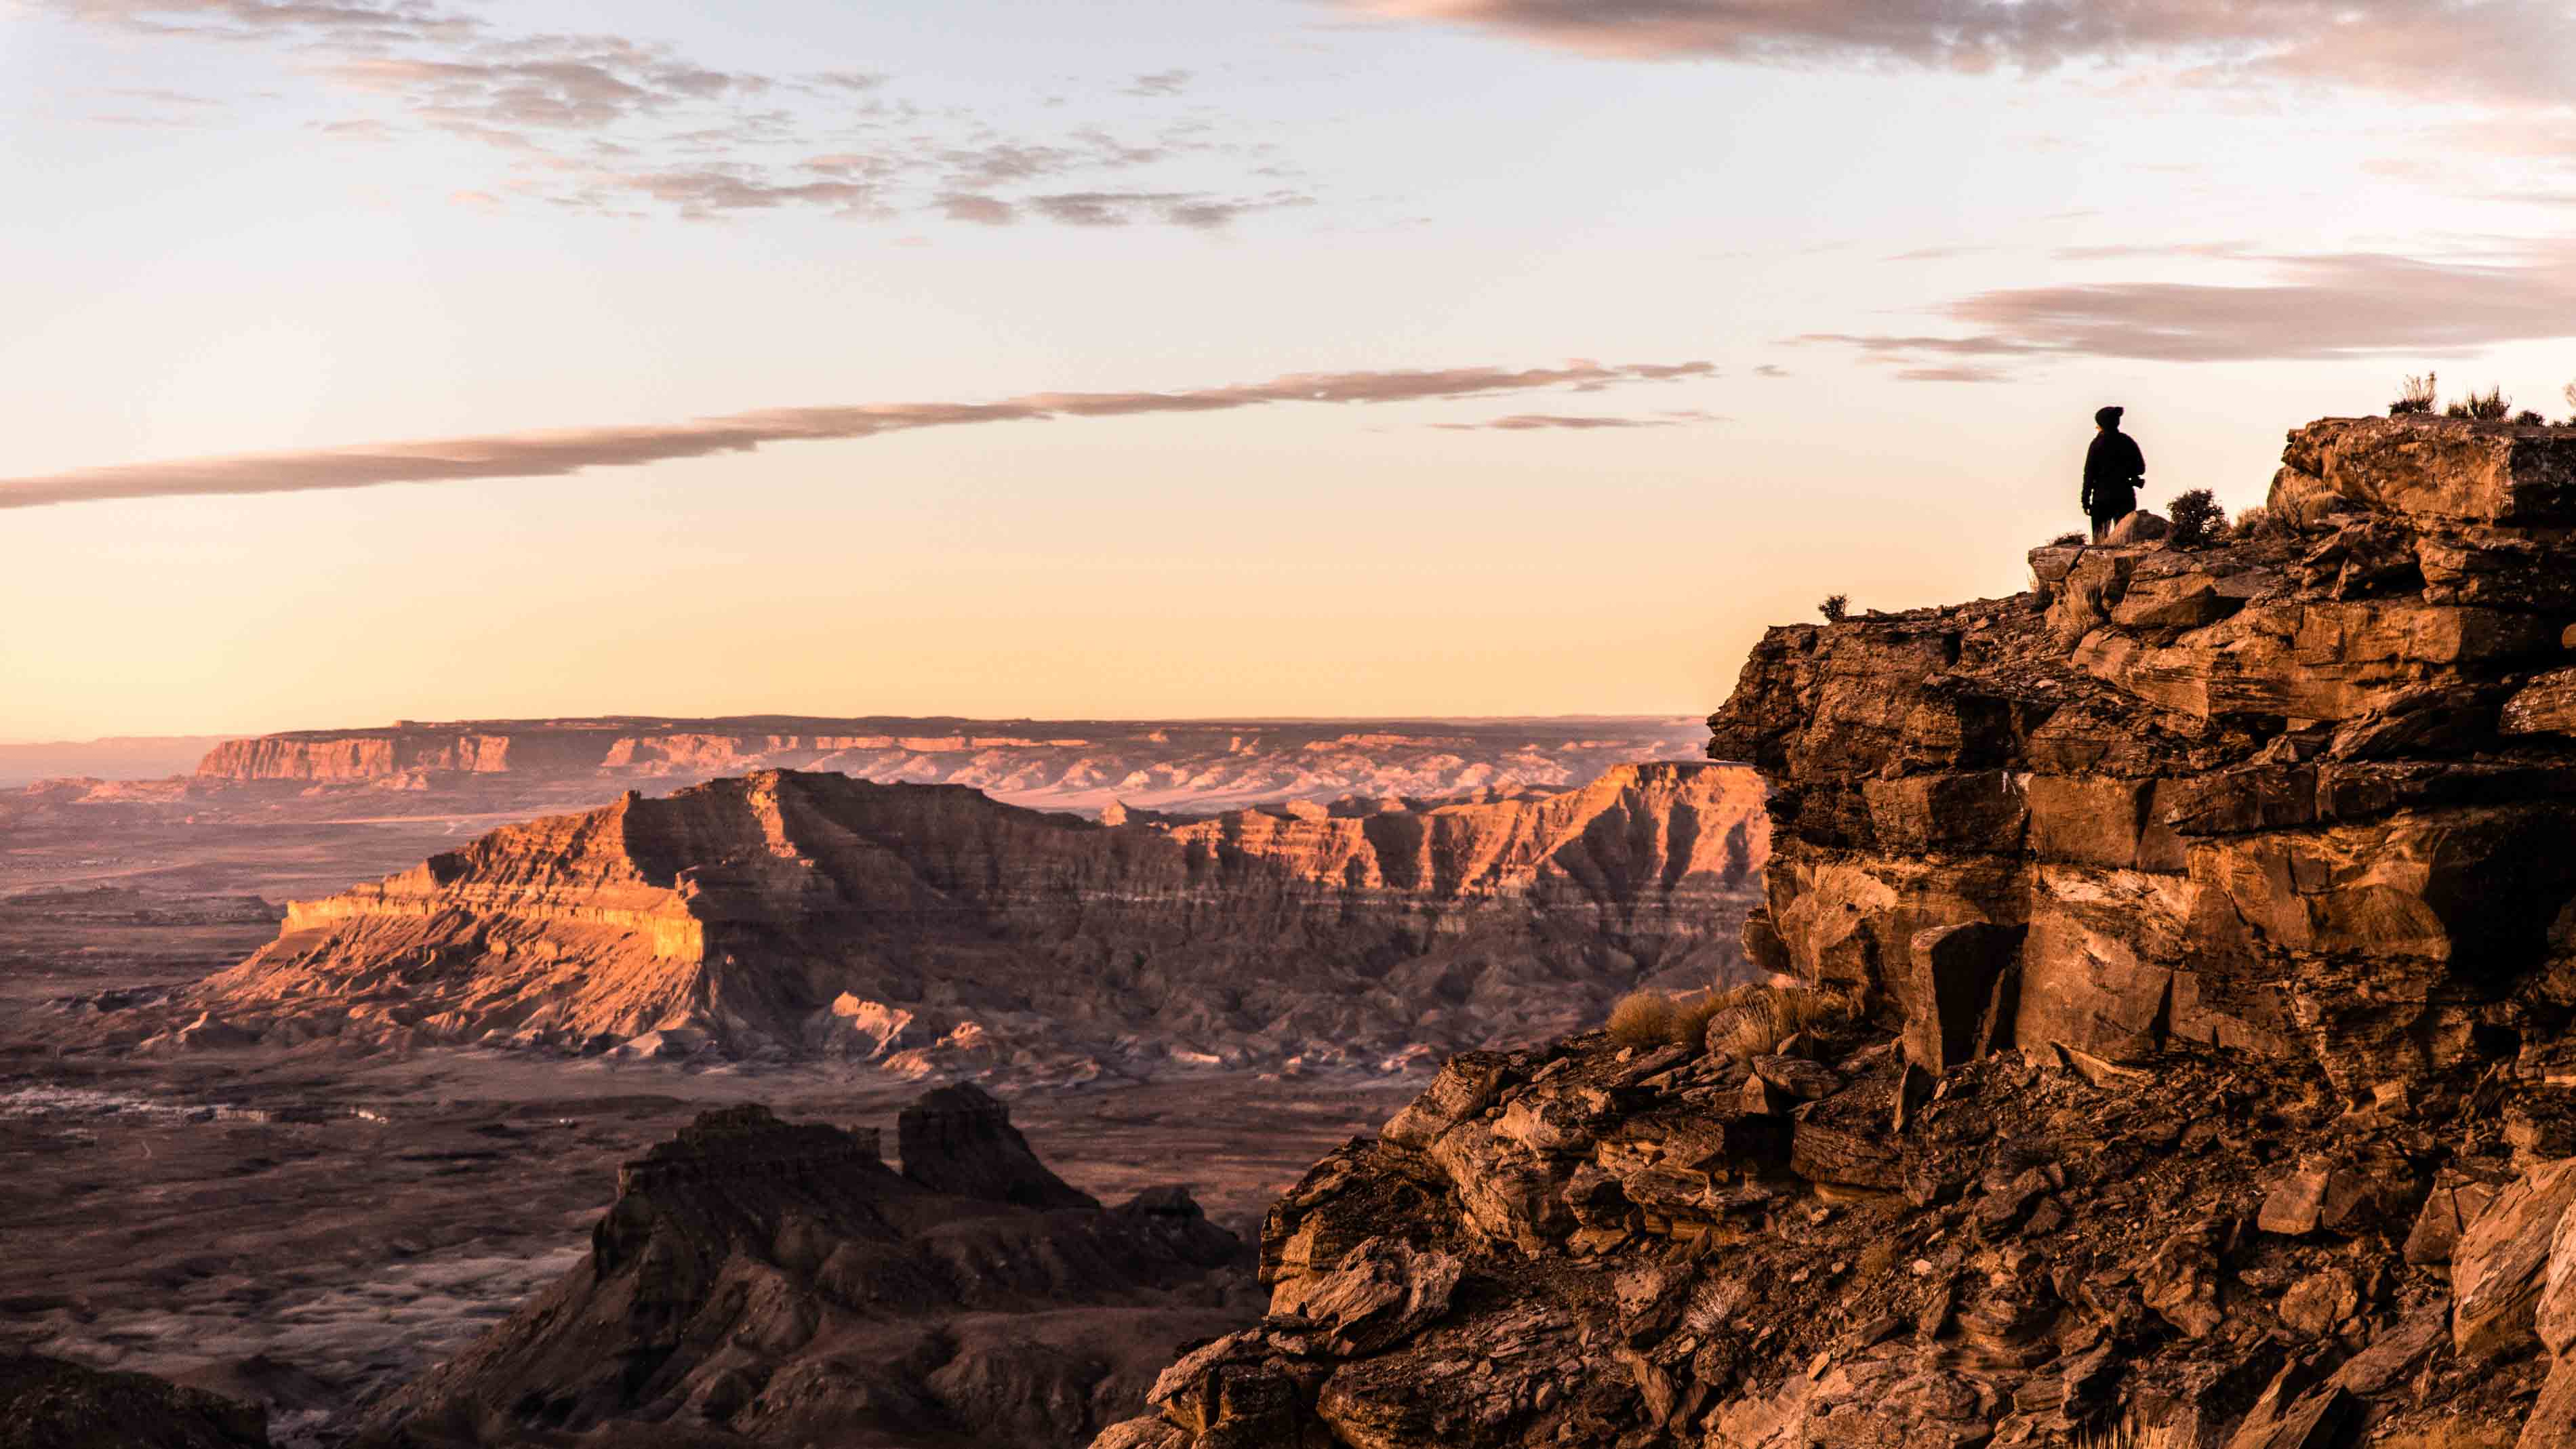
x: 2196, y: 517
x: 1835, y: 608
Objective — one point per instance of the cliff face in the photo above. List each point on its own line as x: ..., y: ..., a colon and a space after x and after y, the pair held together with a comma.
x: 2178, y: 1039
x: 1077, y: 764
x: 766, y: 1282
x: 786, y: 914
x: 2296, y: 797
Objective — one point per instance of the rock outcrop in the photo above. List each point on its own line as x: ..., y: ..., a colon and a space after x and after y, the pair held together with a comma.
x: 2171, y: 1035
x: 49, y: 1404
x: 765, y: 1282
x: 2298, y: 796
x: 929, y: 927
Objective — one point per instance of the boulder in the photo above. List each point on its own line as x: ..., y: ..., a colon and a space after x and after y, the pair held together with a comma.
x: 2500, y: 1266
x: 1382, y: 1292
x: 2138, y: 527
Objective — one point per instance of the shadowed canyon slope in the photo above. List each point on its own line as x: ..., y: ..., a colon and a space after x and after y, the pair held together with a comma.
x: 928, y: 927
x: 762, y: 1282
x: 2180, y: 1038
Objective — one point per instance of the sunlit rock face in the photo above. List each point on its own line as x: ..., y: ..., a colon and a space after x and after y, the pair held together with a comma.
x: 930, y: 928
x: 2300, y: 793
x: 1091, y: 766
x: 2171, y: 1044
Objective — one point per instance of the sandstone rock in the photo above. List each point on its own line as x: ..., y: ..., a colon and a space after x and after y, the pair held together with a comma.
x: 2554, y: 1317
x: 2455, y: 1202
x: 1381, y: 1293
x: 2552, y: 1421
x: 2500, y: 1266
x: 1962, y: 996
x: 2138, y: 527
x: 2320, y: 1303
x: 2544, y: 705
x: 1797, y: 1077
x: 1464, y: 1088
x: 2319, y: 1418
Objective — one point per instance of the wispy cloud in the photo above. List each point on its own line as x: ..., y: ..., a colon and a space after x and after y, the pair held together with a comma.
x: 1160, y: 83
x: 2493, y: 51
x: 1578, y: 422
x: 620, y: 126
x: 555, y: 452
x: 2344, y: 304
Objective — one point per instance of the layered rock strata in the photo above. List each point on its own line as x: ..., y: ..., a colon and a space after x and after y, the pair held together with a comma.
x: 764, y: 1282
x: 2180, y: 958
x: 789, y: 914
x: 2298, y: 796
x: 1073, y: 764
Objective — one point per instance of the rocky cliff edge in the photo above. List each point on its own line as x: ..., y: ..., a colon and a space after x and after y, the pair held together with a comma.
x: 2170, y: 1039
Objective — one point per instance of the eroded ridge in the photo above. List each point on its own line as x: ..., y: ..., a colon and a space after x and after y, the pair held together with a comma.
x: 931, y: 928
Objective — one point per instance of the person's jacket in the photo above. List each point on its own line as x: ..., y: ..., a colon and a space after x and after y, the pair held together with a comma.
x: 2113, y: 468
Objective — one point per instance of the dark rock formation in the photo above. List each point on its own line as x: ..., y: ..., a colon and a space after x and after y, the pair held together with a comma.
x: 931, y: 928
x: 959, y: 1140
x: 2184, y: 971
x: 48, y: 1404
x: 766, y: 1282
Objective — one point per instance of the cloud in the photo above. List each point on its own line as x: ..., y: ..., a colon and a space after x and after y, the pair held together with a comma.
x: 1956, y: 373
x: 2488, y: 50
x: 1178, y: 208
x: 624, y: 127
x: 1570, y: 422
x: 2335, y: 305
x: 556, y: 452
x: 1770, y: 369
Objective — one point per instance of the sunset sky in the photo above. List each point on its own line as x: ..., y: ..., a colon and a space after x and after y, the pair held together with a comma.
x: 372, y: 358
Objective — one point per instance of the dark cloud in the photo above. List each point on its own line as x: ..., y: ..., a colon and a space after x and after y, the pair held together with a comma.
x: 2345, y: 304
x: 556, y: 452
x: 2485, y: 50
x: 625, y: 127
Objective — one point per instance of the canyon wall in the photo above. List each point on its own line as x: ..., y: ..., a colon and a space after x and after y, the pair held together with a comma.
x: 788, y: 914
x: 1085, y: 765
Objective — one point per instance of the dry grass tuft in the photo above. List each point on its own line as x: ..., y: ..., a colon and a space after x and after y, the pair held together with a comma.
x: 2129, y: 1436
x: 1752, y: 1021
x: 1642, y: 1019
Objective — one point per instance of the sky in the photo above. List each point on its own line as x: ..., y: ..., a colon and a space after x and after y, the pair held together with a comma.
x: 376, y: 359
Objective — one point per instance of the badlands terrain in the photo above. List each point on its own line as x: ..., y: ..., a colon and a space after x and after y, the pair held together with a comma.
x: 300, y: 1154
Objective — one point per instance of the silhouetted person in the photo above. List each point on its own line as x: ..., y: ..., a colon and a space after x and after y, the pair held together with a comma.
x: 2113, y: 469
